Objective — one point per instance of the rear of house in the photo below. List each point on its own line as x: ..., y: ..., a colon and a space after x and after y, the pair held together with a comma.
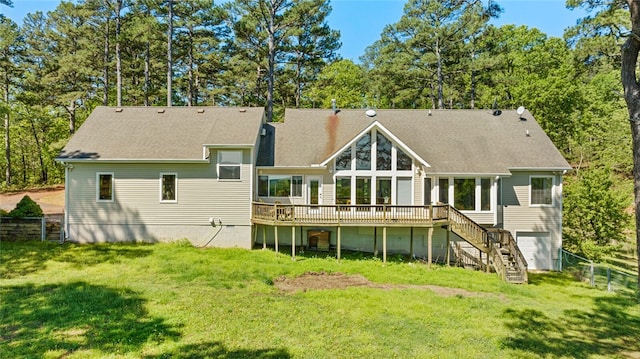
x: 427, y: 183
x: 161, y: 174
x: 500, y: 171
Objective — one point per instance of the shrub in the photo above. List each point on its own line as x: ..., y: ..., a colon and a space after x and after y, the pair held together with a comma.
x: 26, y: 208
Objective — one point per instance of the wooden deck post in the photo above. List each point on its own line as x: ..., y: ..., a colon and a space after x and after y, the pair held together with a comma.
x: 375, y: 241
x: 338, y: 243
x: 448, y: 245
x: 275, y: 231
x: 411, y: 244
x: 429, y: 246
x: 264, y: 237
x: 293, y: 242
x: 384, y: 244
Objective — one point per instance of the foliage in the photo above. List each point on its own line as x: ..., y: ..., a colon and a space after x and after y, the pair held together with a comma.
x: 594, y: 220
x: 93, y: 301
x: 343, y: 81
x: 26, y: 208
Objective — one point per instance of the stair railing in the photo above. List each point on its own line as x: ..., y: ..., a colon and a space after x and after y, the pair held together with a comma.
x: 466, y: 228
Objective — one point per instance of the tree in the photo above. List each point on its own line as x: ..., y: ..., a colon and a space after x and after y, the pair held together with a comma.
x: 262, y: 29
x: 594, y: 213
x: 343, y: 81
x: 630, y: 51
x: 435, y: 35
x: 10, y: 48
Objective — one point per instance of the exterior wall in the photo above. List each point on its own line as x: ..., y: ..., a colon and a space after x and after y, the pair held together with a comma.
x: 362, y: 239
x: 522, y: 218
x: 136, y: 213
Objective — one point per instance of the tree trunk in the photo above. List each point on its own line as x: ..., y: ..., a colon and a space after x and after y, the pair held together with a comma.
x: 440, y: 76
x: 271, y: 75
x: 43, y: 169
x: 169, y: 58
x: 105, y: 67
x: 190, y: 89
x: 147, y: 69
x: 631, y: 87
x: 118, y: 55
x: 298, y: 81
x: 7, y: 137
x: 72, y: 117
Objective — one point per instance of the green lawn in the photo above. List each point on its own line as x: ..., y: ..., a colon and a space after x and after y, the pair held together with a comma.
x: 176, y: 301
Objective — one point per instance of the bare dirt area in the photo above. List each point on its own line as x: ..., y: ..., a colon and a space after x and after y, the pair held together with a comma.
x: 51, y: 199
x: 322, y: 280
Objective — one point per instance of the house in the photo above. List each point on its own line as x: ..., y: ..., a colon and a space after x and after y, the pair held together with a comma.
x: 447, y: 185
x: 160, y: 174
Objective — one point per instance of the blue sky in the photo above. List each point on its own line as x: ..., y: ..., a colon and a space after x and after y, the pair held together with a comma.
x: 360, y: 22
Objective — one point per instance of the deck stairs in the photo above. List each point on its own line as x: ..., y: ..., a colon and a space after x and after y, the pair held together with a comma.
x: 484, y: 249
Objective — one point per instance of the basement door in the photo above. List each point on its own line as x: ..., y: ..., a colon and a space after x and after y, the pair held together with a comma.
x: 536, y: 248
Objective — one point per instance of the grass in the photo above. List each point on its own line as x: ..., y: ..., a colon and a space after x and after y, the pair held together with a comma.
x: 176, y: 301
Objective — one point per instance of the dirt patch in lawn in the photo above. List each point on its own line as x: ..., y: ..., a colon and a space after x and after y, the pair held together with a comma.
x: 322, y: 280
x: 51, y: 199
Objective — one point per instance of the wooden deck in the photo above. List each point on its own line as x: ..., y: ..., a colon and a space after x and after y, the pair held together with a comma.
x: 501, y: 253
x: 348, y: 215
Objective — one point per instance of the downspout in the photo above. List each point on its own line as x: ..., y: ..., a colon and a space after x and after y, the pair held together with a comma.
x: 66, y: 202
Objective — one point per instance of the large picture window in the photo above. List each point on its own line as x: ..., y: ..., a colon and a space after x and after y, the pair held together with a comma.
x: 104, y: 184
x: 541, y: 188
x: 168, y: 187
x: 464, y: 194
x: 469, y: 194
x: 343, y: 190
x: 229, y: 164
x: 280, y: 186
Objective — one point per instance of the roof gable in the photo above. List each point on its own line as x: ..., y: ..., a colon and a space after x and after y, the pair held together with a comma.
x: 161, y: 133
x: 380, y: 128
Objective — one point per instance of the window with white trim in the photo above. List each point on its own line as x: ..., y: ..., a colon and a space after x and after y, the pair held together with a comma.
x: 541, y: 190
x: 229, y: 164
x: 280, y: 186
x: 104, y: 186
x: 468, y: 193
x: 373, y: 170
x: 168, y: 187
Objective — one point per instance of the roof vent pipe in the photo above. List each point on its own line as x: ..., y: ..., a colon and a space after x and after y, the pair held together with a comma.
x: 334, y: 107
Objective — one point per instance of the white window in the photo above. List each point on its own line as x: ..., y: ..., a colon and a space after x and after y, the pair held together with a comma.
x: 469, y: 193
x: 541, y: 190
x: 373, y: 170
x: 168, y: 187
x: 229, y: 164
x: 104, y: 187
x: 280, y: 186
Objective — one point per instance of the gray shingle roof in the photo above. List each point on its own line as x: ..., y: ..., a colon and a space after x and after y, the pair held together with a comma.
x: 178, y: 133
x: 450, y: 141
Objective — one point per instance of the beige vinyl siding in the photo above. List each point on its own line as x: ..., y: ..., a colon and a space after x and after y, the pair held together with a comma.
x: 418, y: 191
x: 484, y: 218
x: 519, y: 216
x: 200, y: 195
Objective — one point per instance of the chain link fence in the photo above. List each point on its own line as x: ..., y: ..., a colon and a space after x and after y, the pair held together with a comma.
x: 597, y: 274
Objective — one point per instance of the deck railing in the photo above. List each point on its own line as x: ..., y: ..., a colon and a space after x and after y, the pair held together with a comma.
x: 469, y: 230
x: 348, y: 214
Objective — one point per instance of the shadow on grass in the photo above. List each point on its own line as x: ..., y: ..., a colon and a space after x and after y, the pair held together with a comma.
x: 76, y: 316
x: 608, y: 331
x: 218, y: 350
x: 344, y: 254
x: 552, y: 278
x: 23, y: 258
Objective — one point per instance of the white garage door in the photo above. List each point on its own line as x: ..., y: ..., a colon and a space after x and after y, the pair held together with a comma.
x: 536, y: 248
